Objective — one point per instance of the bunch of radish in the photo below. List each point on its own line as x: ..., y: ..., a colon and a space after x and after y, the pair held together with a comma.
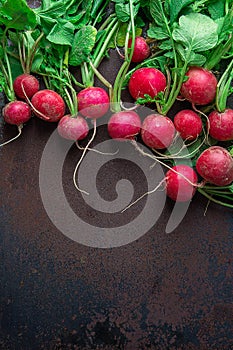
x: 159, y: 68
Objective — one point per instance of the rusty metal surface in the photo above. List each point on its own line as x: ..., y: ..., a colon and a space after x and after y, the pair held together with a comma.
x: 163, y: 291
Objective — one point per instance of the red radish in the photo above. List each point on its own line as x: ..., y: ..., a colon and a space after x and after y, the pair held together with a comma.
x: 93, y: 102
x: 16, y: 112
x: 188, y: 124
x: 200, y: 87
x: 73, y: 128
x: 215, y: 165
x: 181, y: 182
x: 157, y: 131
x: 48, y: 105
x: 124, y: 125
x: 30, y: 85
x: 221, y: 125
x: 146, y: 81
x: 141, y: 49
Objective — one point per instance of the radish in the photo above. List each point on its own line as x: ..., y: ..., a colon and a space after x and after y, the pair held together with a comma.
x: 73, y: 128
x: 221, y: 125
x: 146, y: 81
x: 141, y: 49
x: 157, y: 131
x: 200, y: 87
x: 30, y: 85
x: 124, y: 125
x: 93, y: 102
x: 215, y: 165
x: 181, y: 183
x: 16, y: 112
x: 48, y: 105
x: 188, y: 124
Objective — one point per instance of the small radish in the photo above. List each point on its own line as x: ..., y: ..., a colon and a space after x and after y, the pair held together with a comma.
x: 73, y: 128
x: 200, y: 87
x: 221, y: 125
x: 48, y: 105
x: 16, y: 112
x: 141, y: 49
x: 93, y: 102
x: 181, y: 183
x: 157, y: 131
x: 215, y: 165
x: 124, y: 125
x: 30, y: 85
x: 146, y: 81
x: 188, y: 124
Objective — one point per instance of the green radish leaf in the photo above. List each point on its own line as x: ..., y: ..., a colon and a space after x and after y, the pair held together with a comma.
x: 16, y: 67
x: 158, y: 32
x: 122, y: 9
x: 190, y: 56
x: 166, y: 45
x: 176, y: 6
x: 82, y: 46
x: 16, y: 14
x: 216, y: 9
x: 62, y: 33
x: 196, y: 32
x: 53, y: 9
x: 120, y: 40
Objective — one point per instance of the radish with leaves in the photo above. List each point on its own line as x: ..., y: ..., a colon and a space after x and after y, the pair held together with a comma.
x: 26, y: 85
x: 75, y: 128
x: 188, y: 124
x: 215, y: 165
x: 93, y: 102
x: 124, y: 125
x: 48, y: 105
x: 200, y: 87
x: 181, y: 183
x: 141, y: 49
x: 146, y: 81
x: 157, y: 131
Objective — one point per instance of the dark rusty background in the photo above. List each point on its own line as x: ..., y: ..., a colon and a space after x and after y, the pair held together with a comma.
x: 163, y: 291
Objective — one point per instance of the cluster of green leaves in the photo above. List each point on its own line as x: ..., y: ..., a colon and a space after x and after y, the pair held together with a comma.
x: 188, y: 33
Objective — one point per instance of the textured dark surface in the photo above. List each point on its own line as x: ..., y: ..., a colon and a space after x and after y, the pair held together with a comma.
x: 162, y: 291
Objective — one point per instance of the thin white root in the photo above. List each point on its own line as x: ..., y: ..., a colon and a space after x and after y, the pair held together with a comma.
x: 134, y: 143
x: 128, y: 109
x: 144, y: 194
x: 80, y: 160
x: 96, y: 150
x: 207, y: 122
x: 20, y: 127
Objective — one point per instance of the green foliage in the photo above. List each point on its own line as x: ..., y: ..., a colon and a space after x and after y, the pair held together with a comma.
x: 16, y: 14
x: 83, y: 44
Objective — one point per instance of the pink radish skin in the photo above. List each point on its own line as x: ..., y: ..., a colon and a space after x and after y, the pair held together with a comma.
x: 215, y: 165
x: 73, y: 128
x: 188, y: 124
x: 200, y: 88
x: 141, y: 49
x: 148, y: 81
x: 16, y: 113
x: 178, y: 188
x: 30, y: 84
x: 93, y: 102
x: 221, y: 125
x: 49, y: 105
x: 124, y: 125
x: 157, y: 131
